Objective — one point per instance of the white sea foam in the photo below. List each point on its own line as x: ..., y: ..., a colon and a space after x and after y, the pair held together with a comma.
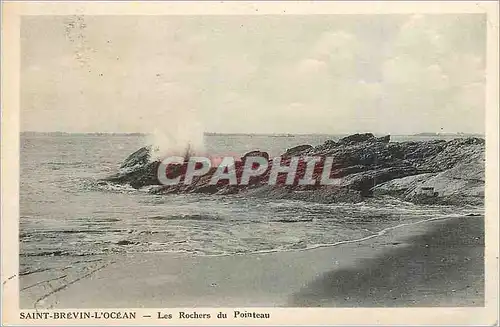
x: 177, y: 139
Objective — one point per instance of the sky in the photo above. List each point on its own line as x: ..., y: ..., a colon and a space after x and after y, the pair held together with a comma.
x: 331, y: 74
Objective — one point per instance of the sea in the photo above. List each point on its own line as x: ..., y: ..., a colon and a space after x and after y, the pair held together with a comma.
x: 65, y: 212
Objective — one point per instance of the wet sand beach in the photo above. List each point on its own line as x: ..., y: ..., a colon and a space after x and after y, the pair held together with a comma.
x: 436, y: 262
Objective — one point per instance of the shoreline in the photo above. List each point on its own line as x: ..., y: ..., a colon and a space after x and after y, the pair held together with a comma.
x: 301, y: 277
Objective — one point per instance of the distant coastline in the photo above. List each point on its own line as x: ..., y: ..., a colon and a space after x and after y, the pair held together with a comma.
x: 449, y: 134
x: 424, y: 134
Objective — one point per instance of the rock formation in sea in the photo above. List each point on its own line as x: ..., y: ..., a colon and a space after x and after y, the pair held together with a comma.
x: 431, y: 172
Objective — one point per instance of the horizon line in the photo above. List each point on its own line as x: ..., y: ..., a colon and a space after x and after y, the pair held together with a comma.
x: 274, y: 134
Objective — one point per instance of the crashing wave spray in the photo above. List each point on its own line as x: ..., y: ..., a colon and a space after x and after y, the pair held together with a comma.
x: 179, y: 138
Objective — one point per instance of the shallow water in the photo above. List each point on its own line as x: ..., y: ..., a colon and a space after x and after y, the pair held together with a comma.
x: 64, y: 211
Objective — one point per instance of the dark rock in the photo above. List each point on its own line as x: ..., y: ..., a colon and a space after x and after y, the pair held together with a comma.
x: 453, y: 153
x: 298, y: 150
x: 396, y: 150
x: 363, y: 166
x: 255, y: 153
x: 417, y: 152
x: 384, y: 139
x: 141, y: 176
x: 356, y: 138
x: 139, y: 157
x: 328, y: 145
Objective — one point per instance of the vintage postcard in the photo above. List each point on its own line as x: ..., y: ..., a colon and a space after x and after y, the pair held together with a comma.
x: 249, y: 163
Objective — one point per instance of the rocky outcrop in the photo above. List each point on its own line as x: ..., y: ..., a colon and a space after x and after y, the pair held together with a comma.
x: 137, y: 176
x: 401, y: 187
x: 436, y: 171
x: 461, y: 184
x: 140, y: 157
x: 298, y: 150
x: 457, y: 177
x: 137, y: 170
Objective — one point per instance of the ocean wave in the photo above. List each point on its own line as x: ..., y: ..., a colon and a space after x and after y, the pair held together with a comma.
x: 218, y: 245
x: 86, y: 184
x: 195, y: 217
x: 290, y: 220
x: 70, y: 231
x: 73, y: 164
x: 59, y: 253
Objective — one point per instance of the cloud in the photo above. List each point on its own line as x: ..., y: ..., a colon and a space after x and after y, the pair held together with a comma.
x: 424, y: 74
x: 329, y: 74
x: 337, y: 52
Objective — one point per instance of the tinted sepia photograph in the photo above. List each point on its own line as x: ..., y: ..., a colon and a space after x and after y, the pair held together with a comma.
x: 252, y: 161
